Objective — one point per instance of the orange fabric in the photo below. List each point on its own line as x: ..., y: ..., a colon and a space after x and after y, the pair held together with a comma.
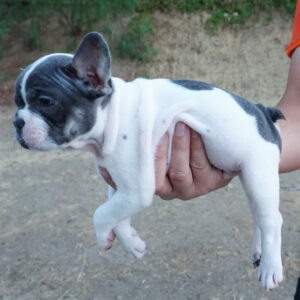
x: 296, y: 33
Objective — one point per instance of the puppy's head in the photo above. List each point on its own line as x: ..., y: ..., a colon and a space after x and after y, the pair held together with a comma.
x: 59, y: 94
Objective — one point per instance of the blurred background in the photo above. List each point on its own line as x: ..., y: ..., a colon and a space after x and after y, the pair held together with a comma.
x: 198, y: 249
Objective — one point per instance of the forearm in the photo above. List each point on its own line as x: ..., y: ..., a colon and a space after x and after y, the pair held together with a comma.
x: 290, y: 128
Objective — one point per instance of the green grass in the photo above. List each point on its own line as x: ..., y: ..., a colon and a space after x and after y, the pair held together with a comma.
x: 222, y: 12
x: 76, y: 16
x: 134, y: 41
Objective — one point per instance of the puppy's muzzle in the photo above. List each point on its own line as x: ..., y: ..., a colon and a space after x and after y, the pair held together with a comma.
x: 19, y: 123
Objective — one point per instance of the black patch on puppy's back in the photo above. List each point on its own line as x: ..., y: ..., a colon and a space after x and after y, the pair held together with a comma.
x: 265, y: 116
x: 265, y: 119
x: 193, y: 84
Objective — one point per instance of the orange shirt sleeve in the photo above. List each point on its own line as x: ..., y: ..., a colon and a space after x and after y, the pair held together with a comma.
x: 296, y: 33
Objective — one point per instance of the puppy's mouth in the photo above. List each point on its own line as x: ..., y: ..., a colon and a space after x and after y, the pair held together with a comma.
x: 21, y: 141
x: 46, y: 146
x: 23, y: 144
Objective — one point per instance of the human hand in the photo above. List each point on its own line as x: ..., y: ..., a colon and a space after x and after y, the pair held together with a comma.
x: 190, y: 174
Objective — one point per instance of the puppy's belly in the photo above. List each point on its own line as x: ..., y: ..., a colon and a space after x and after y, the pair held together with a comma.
x: 224, y: 137
x: 223, y: 154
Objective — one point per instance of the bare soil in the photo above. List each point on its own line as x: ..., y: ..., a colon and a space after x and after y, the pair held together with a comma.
x: 199, y: 249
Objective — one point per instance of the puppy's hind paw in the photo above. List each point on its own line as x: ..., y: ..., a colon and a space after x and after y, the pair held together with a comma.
x: 131, y: 241
x: 270, y: 276
x: 135, y: 246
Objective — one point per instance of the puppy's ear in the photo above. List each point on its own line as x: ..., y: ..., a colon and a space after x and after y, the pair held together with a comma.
x: 92, y: 62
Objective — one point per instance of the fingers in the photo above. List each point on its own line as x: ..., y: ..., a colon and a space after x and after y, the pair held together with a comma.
x: 206, y: 177
x: 190, y: 173
x: 107, y: 177
x: 221, y: 180
x: 163, y: 185
x: 179, y: 173
x: 198, y: 160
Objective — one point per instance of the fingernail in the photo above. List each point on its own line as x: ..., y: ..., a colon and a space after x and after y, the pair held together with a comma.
x: 180, y: 129
x: 164, y: 139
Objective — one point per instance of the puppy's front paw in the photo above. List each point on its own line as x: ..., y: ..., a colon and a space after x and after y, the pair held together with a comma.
x: 270, y: 274
x: 105, y: 240
x: 131, y: 241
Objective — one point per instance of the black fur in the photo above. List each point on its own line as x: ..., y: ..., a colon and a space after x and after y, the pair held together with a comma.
x: 56, y: 79
x: 265, y: 116
x: 193, y: 84
x: 265, y: 119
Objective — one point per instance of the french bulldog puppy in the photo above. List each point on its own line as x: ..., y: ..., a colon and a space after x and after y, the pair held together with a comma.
x: 72, y: 102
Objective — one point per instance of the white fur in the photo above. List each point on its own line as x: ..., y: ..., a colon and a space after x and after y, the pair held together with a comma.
x: 124, y: 140
x: 36, y: 131
x: 143, y: 110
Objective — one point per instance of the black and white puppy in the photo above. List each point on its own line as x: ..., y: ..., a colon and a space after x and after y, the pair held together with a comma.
x: 72, y: 102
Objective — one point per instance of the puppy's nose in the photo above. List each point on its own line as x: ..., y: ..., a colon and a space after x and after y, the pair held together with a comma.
x: 19, y: 123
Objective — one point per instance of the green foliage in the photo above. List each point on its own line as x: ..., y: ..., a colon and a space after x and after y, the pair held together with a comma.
x: 237, y: 12
x: 135, y: 42
x: 288, y: 5
x: 4, y: 27
x: 222, y: 12
x: 153, y: 5
x: 13, y: 13
x: 79, y: 16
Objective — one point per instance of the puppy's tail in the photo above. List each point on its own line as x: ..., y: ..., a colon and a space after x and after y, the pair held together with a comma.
x: 272, y: 113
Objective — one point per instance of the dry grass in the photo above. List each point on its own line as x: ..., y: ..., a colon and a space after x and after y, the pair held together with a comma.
x: 250, y: 62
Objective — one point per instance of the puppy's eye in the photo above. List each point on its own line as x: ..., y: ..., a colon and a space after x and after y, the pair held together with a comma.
x: 44, y: 101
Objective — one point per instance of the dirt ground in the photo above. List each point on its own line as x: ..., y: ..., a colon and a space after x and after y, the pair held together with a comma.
x: 198, y: 249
